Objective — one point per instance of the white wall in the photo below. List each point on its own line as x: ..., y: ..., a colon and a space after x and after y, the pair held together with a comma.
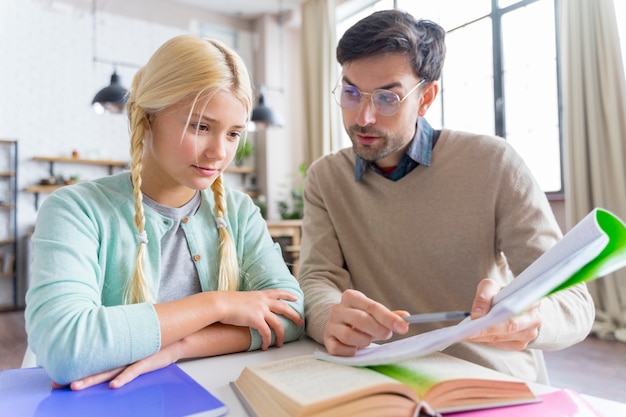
x: 48, y: 78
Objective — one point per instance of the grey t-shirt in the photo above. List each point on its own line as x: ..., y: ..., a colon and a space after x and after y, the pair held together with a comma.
x: 179, y: 277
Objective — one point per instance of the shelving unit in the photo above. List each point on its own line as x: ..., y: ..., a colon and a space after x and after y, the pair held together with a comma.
x: 37, y: 189
x: 8, y: 219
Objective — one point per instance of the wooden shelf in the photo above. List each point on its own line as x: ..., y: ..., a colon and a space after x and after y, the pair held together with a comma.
x: 41, y: 188
x: 234, y: 169
x: 71, y: 160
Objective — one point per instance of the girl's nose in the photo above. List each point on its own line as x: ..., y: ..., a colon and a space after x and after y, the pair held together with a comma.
x: 215, y: 148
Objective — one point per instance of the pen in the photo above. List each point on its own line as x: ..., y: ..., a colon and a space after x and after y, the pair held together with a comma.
x: 442, y: 316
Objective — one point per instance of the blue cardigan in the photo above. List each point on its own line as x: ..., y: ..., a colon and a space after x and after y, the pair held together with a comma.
x: 83, y: 254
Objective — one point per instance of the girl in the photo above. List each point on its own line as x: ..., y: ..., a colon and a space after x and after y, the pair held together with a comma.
x: 134, y: 271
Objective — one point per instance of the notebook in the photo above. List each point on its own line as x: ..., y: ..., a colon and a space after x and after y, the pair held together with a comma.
x: 167, y: 392
x: 560, y: 403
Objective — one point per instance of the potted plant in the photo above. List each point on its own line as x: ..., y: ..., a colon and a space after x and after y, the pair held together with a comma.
x: 294, y: 209
x: 244, y: 150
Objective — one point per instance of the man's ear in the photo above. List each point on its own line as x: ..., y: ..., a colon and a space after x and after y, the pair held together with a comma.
x: 428, y: 96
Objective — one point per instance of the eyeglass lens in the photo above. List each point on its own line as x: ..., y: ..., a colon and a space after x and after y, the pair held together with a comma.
x: 386, y: 102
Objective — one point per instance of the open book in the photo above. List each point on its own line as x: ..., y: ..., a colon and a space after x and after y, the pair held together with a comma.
x: 593, y: 248
x: 307, y: 387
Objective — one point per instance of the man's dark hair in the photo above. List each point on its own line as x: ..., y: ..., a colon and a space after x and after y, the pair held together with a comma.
x: 394, y: 31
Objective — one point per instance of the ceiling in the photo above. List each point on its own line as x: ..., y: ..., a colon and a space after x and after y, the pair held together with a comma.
x: 243, y: 8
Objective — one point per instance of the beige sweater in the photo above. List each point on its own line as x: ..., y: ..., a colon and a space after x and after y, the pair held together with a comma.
x: 424, y: 242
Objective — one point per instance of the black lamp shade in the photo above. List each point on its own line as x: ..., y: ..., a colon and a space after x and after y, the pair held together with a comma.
x: 111, y: 98
x: 264, y: 115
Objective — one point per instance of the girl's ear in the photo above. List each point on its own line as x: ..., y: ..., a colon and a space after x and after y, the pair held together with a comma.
x: 147, y: 122
x: 428, y: 96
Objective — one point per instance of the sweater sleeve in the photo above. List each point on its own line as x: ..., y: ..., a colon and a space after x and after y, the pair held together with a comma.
x: 526, y: 228
x: 69, y: 329
x: 322, y: 275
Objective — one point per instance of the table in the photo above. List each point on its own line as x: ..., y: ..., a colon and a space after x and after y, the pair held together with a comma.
x: 215, y: 374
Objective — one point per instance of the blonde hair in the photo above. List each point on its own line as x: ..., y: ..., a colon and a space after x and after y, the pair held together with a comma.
x: 184, y: 67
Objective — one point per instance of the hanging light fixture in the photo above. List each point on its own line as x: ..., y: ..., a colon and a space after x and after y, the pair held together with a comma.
x: 263, y: 115
x: 112, y: 98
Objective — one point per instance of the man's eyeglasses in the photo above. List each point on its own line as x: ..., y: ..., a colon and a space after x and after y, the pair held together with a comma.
x: 386, y: 102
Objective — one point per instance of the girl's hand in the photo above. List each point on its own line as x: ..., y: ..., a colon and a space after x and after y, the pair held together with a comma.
x: 90, y: 381
x: 121, y: 376
x: 259, y: 310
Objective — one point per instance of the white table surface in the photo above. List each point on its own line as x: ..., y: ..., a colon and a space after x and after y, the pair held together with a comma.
x: 216, y: 373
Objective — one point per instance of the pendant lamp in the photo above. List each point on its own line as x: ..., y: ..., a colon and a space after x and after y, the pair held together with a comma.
x: 264, y: 116
x: 111, y: 99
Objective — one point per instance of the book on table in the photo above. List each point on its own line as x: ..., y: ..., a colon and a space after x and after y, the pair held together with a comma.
x: 559, y: 403
x: 304, y: 386
x: 167, y: 392
x: 593, y: 248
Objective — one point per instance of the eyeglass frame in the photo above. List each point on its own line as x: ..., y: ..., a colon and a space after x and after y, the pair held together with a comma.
x: 362, y: 93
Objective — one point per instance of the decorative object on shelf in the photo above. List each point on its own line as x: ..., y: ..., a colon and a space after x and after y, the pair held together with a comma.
x: 294, y: 208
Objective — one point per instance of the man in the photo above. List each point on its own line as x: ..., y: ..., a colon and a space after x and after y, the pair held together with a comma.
x: 415, y: 220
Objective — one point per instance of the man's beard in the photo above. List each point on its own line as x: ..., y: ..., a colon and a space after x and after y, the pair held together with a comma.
x: 382, y: 148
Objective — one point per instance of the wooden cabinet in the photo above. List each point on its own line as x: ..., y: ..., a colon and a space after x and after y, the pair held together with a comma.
x: 8, y: 223
x: 287, y: 233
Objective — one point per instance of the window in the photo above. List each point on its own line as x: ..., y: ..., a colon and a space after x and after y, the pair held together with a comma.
x: 500, y: 76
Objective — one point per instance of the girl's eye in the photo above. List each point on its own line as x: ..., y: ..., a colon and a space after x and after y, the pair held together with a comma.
x: 200, y: 127
x: 234, y: 135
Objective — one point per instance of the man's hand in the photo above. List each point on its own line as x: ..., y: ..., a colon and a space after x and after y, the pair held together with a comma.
x: 357, y: 321
x: 515, y: 333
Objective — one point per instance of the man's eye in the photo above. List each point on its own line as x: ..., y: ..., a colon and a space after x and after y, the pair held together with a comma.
x: 386, y: 97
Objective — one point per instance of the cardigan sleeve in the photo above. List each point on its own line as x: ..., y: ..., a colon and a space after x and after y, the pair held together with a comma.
x: 262, y: 266
x: 70, y: 330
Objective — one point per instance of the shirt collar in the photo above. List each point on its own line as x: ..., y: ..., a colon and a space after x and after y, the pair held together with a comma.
x: 420, y: 149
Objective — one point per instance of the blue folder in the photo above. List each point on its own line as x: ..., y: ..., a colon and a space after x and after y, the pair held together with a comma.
x: 167, y: 392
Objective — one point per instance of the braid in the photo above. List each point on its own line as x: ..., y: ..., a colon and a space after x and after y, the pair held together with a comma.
x: 137, y: 290
x: 228, y: 272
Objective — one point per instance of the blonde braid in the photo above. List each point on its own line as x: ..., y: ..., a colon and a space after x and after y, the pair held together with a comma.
x: 137, y: 290
x: 228, y: 269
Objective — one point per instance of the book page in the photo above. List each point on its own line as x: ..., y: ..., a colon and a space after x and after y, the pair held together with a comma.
x: 418, y: 345
x: 308, y: 381
x: 448, y: 383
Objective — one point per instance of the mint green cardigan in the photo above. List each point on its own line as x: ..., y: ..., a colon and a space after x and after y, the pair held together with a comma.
x: 84, y: 252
